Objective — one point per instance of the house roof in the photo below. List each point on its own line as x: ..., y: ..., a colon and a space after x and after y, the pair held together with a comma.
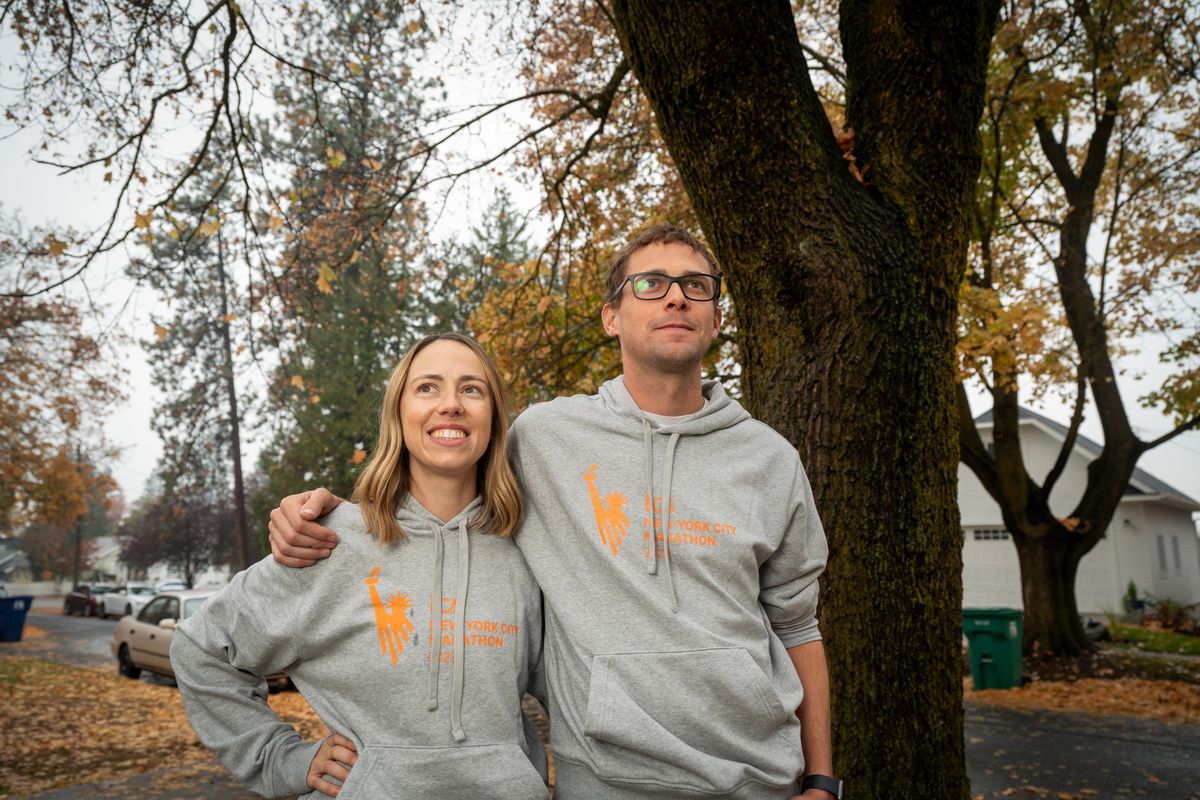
x: 1141, y: 483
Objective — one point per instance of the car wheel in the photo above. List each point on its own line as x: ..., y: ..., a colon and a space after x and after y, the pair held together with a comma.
x: 66, y: 609
x: 87, y: 609
x: 125, y: 664
x: 128, y: 610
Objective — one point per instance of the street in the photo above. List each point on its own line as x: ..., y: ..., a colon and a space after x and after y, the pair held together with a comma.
x: 1010, y: 753
x: 75, y: 641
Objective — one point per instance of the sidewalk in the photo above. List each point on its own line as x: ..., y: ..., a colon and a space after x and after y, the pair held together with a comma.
x: 1011, y: 754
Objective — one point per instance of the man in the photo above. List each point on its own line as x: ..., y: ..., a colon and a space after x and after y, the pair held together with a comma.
x: 678, y: 550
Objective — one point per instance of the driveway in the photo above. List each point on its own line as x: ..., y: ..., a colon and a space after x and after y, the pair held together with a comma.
x: 1052, y: 754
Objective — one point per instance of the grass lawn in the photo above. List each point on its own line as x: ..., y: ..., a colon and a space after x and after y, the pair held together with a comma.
x: 1156, y: 641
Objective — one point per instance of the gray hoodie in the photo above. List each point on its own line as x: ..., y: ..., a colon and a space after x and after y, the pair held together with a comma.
x: 666, y: 666
x: 424, y: 671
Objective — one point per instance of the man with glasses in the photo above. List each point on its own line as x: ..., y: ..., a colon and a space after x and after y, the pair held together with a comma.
x: 678, y: 550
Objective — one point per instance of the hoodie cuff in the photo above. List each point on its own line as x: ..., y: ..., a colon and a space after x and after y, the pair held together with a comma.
x: 798, y: 634
x: 291, y: 767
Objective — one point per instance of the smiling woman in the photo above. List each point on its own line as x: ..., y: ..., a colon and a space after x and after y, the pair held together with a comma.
x: 438, y: 672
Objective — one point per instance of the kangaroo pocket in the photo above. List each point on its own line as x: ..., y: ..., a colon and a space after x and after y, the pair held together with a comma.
x: 704, y: 720
x: 465, y: 772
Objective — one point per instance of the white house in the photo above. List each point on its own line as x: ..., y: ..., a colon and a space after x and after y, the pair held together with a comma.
x: 1151, y: 541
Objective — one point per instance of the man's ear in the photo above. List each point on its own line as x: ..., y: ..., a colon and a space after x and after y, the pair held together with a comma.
x: 718, y: 318
x: 610, y: 319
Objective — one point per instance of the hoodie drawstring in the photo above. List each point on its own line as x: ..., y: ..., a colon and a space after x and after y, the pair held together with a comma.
x: 460, y: 624
x: 668, y: 465
x: 460, y: 610
x: 435, y: 653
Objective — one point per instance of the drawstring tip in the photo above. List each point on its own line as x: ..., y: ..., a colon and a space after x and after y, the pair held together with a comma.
x: 459, y: 735
x: 652, y: 569
x: 432, y: 704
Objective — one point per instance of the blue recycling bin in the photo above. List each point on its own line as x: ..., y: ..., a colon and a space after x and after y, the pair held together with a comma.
x: 12, y: 616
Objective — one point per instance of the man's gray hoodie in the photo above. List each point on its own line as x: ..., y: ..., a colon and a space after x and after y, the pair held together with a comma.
x: 666, y: 664
x: 424, y: 671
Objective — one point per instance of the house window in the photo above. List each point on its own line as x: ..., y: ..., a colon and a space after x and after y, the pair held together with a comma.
x: 991, y: 534
x: 1162, y: 553
x: 1175, y: 551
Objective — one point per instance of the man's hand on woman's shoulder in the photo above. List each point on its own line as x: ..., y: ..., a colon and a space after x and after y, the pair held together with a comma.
x: 297, y: 541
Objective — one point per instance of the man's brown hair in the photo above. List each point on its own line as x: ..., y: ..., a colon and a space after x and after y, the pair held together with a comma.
x: 658, y: 233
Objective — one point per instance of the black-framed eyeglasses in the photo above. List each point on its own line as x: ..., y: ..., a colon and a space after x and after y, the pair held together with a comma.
x: 699, y: 286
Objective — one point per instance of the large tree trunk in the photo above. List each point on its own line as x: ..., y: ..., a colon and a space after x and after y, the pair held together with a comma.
x: 1049, y: 565
x: 846, y: 301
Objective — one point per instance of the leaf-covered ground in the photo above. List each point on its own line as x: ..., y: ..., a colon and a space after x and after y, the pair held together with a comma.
x: 1165, y: 701
x: 61, y: 725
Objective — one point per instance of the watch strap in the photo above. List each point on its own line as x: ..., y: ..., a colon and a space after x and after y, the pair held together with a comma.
x: 822, y: 782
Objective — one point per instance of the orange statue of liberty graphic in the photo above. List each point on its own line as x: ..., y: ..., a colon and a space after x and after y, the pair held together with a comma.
x: 391, y: 618
x: 611, y: 521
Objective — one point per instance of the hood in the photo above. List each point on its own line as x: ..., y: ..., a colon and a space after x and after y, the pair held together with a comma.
x: 721, y: 410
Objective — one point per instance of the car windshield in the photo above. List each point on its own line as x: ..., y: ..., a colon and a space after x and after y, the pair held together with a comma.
x: 100, y: 589
x: 141, y: 590
x: 192, y: 606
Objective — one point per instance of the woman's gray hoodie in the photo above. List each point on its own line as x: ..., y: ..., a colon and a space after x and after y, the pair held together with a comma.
x: 678, y: 562
x: 422, y: 669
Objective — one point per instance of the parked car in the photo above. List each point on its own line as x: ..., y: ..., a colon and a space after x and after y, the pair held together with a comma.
x: 126, y: 600
x: 85, y: 599
x: 144, y: 641
x: 171, y: 585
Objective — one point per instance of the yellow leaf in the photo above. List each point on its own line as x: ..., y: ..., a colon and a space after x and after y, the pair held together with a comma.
x: 230, y: 317
x: 413, y: 26
x: 276, y: 222
x: 141, y: 220
x: 360, y: 455
x: 298, y: 381
x: 543, y: 304
x: 210, y: 227
x: 323, y: 286
x: 160, y: 332
x: 108, y: 177
x: 56, y: 247
x: 314, y: 398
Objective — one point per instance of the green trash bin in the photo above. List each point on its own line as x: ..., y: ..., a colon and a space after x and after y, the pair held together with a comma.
x: 12, y: 616
x: 994, y: 637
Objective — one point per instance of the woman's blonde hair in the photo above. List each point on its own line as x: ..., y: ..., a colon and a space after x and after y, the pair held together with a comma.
x: 384, y: 482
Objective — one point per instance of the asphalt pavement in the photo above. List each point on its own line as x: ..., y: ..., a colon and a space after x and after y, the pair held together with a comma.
x: 1010, y: 753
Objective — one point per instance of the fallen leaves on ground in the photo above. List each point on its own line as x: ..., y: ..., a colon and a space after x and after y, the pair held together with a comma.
x: 1165, y: 701
x: 32, y: 632
x: 62, y: 725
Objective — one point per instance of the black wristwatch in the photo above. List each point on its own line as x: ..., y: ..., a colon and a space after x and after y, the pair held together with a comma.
x: 822, y: 782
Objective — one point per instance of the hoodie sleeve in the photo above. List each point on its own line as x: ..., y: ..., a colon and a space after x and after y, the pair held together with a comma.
x: 252, y: 628
x: 789, y: 588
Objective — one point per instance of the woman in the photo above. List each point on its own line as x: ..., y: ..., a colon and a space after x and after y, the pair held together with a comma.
x: 416, y: 639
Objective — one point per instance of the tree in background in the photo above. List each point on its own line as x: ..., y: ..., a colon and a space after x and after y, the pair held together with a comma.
x: 194, y: 362
x: 349, y: 293
x: 187, y: 533
x: 56, y: 382
x: 1087, y: 242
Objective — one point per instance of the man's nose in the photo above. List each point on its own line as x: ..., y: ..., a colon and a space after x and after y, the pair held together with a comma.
x: 675, y: 298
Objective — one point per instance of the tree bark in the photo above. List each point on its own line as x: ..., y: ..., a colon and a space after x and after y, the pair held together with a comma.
x: 243, y: 557
x: 846, y: 296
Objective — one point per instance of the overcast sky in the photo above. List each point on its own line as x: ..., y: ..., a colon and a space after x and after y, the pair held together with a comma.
x: 41, y: 197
